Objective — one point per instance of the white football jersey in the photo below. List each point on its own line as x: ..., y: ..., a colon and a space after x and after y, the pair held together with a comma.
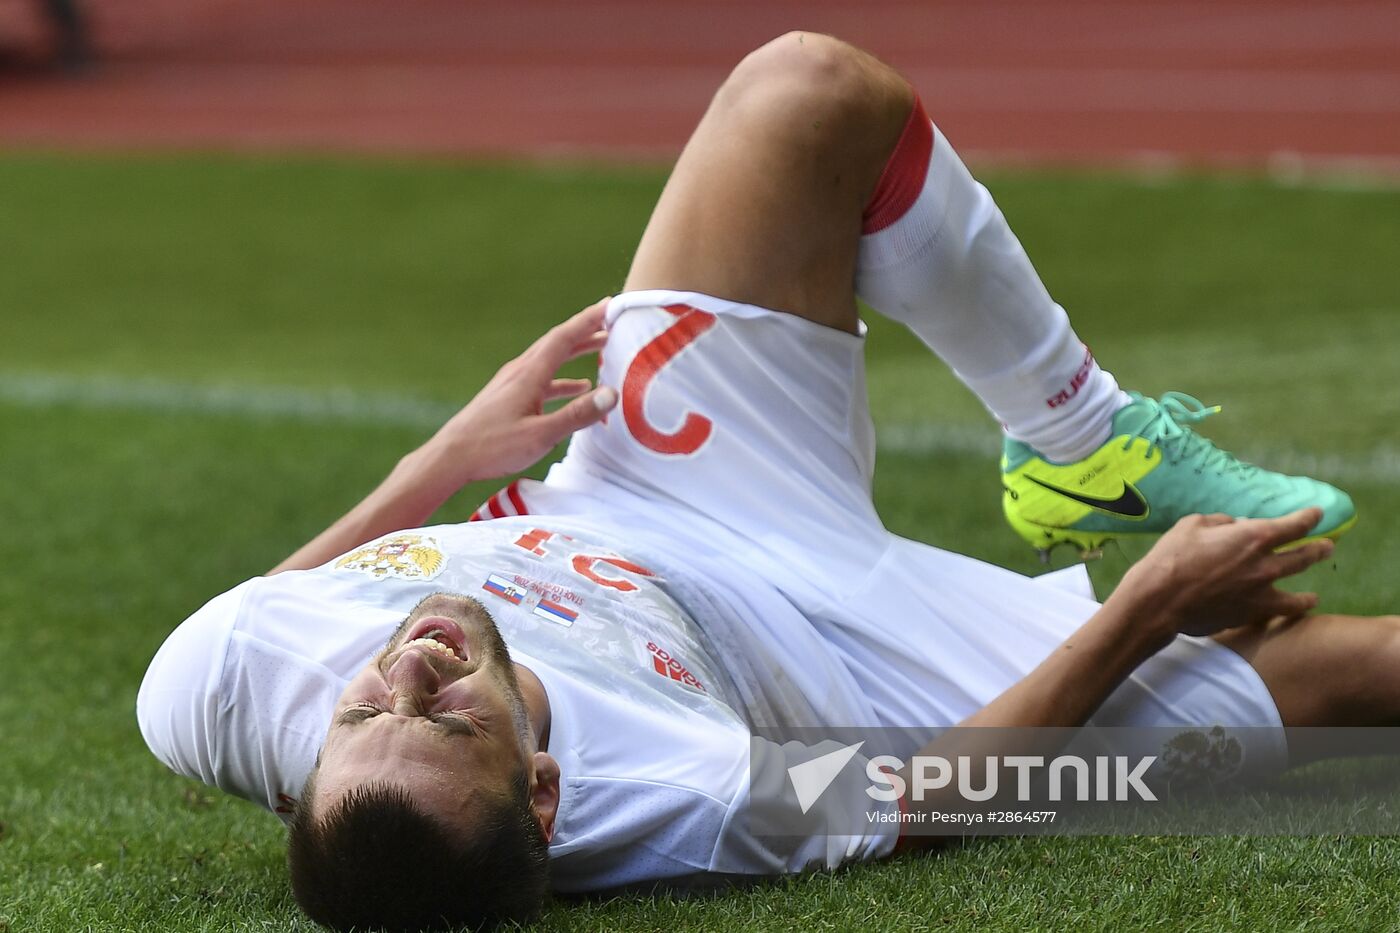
x: 651, y: 731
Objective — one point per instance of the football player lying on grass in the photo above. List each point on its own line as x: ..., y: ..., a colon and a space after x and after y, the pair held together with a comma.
x: 562, y: 692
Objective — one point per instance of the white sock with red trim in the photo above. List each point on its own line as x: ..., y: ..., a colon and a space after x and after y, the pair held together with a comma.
x: 938, y: 256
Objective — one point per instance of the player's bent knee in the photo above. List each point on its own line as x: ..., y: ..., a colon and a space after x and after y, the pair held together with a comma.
x: 808, y: 73
x: 822, y: 58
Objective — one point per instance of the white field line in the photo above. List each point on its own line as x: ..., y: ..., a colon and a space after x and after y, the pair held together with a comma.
x: 1157, y: 169
x: 346, y: 406
x: 1380, y: 464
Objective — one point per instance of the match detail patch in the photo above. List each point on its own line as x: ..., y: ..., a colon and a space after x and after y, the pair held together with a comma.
x: 400, y: 556
x: 547, y: 601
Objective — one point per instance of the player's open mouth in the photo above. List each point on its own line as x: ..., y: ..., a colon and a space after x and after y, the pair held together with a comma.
x: 440, y: 634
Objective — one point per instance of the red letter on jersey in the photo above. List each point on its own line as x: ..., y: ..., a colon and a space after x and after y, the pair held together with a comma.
x: 532, y: 541
x: 695, y: 429
x: 584, y: 564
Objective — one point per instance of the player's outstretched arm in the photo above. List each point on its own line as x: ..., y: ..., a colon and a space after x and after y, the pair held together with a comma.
x: 503, y: 430
x: 1207, y: 574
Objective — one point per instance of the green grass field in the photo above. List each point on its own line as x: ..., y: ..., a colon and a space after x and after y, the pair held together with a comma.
x: 177, y: 341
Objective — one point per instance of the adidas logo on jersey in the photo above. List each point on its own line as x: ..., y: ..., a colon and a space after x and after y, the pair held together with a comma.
x: 667, y: 666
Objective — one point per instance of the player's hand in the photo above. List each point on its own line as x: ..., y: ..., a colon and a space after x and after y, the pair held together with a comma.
x: 505, y: 428
x: 1214, y: 572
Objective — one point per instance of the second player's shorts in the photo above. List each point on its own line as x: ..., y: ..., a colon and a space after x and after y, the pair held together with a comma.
x: 747, y: 431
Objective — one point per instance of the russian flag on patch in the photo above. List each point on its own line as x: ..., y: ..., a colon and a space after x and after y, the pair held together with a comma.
x: 499, y: 585
x: 554, y: 612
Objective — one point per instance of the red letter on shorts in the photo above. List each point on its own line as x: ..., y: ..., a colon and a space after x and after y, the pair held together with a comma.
x: 695, y: 429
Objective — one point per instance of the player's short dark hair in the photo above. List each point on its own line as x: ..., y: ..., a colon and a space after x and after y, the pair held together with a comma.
x: 375, y: 860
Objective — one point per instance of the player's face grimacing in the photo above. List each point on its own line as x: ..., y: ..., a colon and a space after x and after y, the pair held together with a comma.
x: 439, y: 712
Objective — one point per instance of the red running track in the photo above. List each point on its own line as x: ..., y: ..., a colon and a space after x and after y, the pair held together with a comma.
x: 1061, y: 80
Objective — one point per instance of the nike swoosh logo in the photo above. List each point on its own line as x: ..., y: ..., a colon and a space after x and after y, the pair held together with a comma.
x: 1130, y: 504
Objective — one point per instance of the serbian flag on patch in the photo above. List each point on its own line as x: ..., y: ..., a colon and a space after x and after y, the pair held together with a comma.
x: 506, y: 502
x: 554, y: 612
x: 499, y: 585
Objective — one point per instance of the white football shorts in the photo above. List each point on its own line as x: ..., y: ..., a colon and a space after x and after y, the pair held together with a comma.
x: 746, y: 431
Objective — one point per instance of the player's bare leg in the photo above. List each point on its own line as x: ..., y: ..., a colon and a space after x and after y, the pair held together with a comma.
x: 1326, y: 670
x: 805, y: 183
x: 765, y: 205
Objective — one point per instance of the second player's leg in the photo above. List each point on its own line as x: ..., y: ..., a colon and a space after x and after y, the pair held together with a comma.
x: 1326, y: 670
x: 765, y: 205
